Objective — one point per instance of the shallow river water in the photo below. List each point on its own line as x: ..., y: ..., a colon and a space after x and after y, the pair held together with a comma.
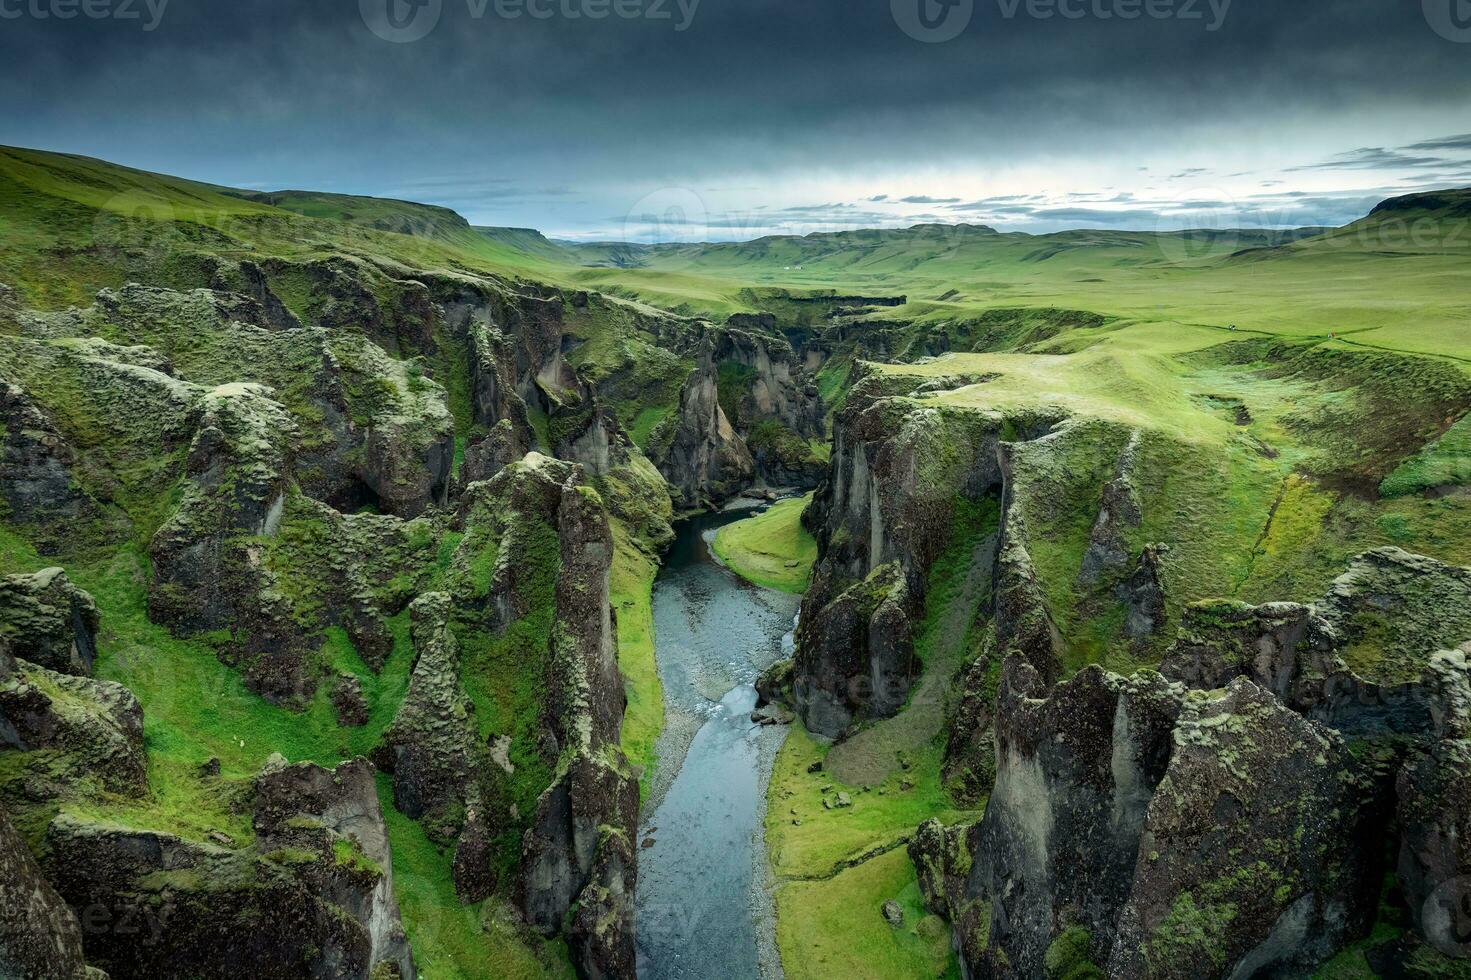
x: 704, y: 900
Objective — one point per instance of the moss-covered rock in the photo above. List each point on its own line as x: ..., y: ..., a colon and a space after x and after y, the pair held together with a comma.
x: 40, y: 938
x: 70, y: 733
x: 49, y: 621
x: 311, y: 896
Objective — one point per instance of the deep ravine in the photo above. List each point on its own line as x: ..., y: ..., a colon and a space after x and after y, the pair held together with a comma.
x: 704, y: 906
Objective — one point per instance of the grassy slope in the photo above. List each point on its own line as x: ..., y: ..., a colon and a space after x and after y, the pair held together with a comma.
x: 631, y: 586
x: 772, y: 549
x: 839, y: 865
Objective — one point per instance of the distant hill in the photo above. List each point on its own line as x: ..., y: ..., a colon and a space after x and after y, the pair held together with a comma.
x: 529, y: 241
x: 378, y: 213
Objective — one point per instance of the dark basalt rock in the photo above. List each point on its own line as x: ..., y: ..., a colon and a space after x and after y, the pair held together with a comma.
x: 1107, y: 552
x: 706, y: 460
x: 474, y: 861
x: 40, y: 937
x: 1228, y: 829
x: 335, y: 814
x: 1059, y: 841
x: 430, y: 747
x: 1258, y: 855
x: 311, y: 898
x: 37, y: 485
x: 1143, y: 595
x: 49, y: 621
x: 347, y: 698
x: 858, y: 653
x: 207, y: 570
x: 881, y: 518
x: 1434, y: 864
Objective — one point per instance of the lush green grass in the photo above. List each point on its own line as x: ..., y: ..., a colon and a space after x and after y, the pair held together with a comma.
x: 880, y: 817
x: 454, y: 941
x: 630, y: 586
x: 772, y: 549
x: 835, y: 927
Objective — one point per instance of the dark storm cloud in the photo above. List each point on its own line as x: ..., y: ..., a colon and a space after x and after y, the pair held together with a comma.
x: 516, y: 114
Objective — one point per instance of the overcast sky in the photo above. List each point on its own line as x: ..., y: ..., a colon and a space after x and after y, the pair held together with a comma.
x: 689, y: 119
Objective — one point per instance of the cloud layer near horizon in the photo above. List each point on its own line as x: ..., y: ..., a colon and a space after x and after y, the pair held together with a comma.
x: 766, y: 115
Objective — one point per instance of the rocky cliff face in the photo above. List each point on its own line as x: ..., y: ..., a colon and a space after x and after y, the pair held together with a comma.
x: 40, y: 938
x: 706, y: 460
x: 770, y: 400
x: 1228, y: 818
x: 899, y: 469
x: 310, y: 895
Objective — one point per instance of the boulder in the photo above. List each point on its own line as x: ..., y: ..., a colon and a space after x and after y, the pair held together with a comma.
x: 73, y: 732
x: 49, y: 621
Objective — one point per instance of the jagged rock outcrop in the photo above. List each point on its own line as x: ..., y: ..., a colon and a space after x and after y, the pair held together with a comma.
x: 334, y: 814
x: 430, y: 748
x: 72, y: 732
x: 1143, y: 595
x: 40, y: 938
x: 1058, y: 844
x: 705, y: 460
x: 207, y: 566
x: 537, y: 548
x: 770, y: 400
x: 49, y: 621
x: 1229, y: 817
x: 311, y: 897
x: 37, y: 485
x: 881, y: 518
x: 578, y: 851
x: 1258, y: 852
x: 1434, y: 861
x: 1108, y: 552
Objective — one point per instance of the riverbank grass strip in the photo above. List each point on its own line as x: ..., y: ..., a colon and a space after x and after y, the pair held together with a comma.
x: 772, y: 549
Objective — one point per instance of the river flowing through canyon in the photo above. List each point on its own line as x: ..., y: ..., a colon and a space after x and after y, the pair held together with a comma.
x: 704, y: 901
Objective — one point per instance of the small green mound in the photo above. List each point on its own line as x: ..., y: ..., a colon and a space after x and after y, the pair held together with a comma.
x: 1446, y: 462
x: 772, y: 549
